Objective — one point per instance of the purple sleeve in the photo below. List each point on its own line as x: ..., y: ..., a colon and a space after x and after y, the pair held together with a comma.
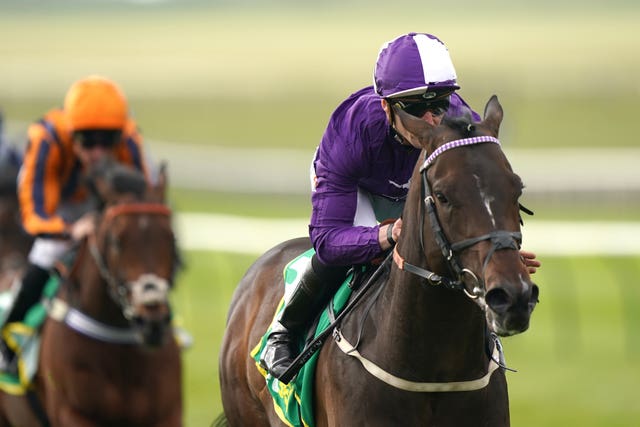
x: 343, y: 159
x: 335, y: 239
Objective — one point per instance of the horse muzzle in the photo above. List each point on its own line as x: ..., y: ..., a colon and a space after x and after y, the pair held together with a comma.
x: 509, y: 307
x: 151, y: 312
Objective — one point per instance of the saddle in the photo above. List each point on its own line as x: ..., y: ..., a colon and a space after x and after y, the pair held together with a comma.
x: 293, y: 402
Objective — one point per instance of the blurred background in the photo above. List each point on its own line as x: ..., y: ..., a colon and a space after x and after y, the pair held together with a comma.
x: 235, y: 96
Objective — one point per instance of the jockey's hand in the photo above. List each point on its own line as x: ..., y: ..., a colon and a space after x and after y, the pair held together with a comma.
x: 397, y: 228
x: 84, y: 226
x: 530, y: 261
x: 383, y: 234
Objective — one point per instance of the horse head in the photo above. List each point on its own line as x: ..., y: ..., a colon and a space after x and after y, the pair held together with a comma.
x: 133, y: 253
x: 471, y: 216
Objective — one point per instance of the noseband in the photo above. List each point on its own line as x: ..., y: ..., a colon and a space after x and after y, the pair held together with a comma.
x: 500, y: 239
x: 118, y: 289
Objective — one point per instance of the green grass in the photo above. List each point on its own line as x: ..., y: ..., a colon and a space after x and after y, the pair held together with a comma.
x: 299, y: 206
x: 201, y: 301
x: 580, y: 361
x: 251, y: 205
x: 578, y: 364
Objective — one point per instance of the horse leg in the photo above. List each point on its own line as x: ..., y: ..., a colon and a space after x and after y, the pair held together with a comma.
x: 240, y: 381
x: 245, y: 398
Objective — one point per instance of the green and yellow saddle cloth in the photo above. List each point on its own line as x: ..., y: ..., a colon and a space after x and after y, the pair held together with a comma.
x: 24, y: 339
x: 293, y: 402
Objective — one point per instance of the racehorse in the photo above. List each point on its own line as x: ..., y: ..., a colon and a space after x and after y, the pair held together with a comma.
x: 421, y: 347
x: 14, y: 241
x: 108, y: 356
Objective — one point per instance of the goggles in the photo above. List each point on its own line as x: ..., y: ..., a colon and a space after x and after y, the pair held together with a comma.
x: 419, y: 107
x: 89, y: 139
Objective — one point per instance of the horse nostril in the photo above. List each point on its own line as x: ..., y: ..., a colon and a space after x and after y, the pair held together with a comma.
x: 499, y: 300
x: 533, y: 299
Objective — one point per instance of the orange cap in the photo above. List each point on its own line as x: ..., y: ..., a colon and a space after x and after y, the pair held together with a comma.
x: 95, y: 103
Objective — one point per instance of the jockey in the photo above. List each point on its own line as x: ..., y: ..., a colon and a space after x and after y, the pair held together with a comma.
x: 55, y: 204
x: 360, y: 177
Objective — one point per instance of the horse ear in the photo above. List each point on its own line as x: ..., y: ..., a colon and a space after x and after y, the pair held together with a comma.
x: 158, y: 189
x: 418, y: 127
x: 493, y: 114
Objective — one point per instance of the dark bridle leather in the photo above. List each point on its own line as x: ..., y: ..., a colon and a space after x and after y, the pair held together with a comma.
x: 118, y: 288
x: 500, y: 239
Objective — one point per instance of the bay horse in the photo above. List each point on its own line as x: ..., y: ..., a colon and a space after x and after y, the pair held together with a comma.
x: 421, y: 350
x: 14, y: 241
x: 108, y: 356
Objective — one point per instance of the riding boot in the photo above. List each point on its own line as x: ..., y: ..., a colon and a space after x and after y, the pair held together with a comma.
x: 314, y: 290
x: 29, y: 292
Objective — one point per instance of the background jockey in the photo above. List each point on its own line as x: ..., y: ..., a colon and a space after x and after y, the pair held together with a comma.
x: 360, y: 177
x: 56, y: 206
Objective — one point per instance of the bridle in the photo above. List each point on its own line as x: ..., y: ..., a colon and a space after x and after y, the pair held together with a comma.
x: 500, y: 239
x: 118, y: 289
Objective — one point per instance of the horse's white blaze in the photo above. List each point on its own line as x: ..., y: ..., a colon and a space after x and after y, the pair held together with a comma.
x: 149, y: 289
x: 486, y: 199
x: 143, y: 221
x: 525, y: 285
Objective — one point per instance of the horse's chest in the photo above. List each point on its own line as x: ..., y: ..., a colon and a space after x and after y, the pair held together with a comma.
x: 113, y: 395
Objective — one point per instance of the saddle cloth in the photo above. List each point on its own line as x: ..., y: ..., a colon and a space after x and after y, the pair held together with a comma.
x: 24, y: 339
x: 293, y: 402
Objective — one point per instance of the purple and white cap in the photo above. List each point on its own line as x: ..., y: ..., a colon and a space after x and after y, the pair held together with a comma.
x: 414, y: 64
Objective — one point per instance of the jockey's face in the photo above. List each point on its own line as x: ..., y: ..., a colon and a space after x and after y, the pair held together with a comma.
x: 90, y: 146
x: 433, y: 116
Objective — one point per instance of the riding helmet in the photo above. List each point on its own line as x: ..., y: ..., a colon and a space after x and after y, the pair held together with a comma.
x: 414, y: 64
x: 95, y: 103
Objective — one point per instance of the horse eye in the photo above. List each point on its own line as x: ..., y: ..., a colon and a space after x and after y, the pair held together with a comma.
x: 441, y: 197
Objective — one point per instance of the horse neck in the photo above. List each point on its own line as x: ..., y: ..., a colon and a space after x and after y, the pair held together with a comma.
x: 87, y: 290
x: 430, y: 327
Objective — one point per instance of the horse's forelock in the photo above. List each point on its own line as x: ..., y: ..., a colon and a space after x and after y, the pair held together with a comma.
x: 462, y: 125
x: 129, y: 183
x: 111, y: 179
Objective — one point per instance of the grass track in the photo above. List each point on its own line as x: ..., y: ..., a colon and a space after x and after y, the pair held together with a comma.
x: 579, y: 364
